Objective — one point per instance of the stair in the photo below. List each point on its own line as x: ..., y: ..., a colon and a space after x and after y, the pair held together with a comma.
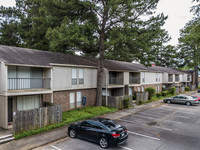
x: 6, y: 138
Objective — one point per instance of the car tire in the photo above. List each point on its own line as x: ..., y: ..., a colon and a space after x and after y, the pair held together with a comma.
x: 72, y: 133
x: 169, y: 102
x: 188, y: 104
x: 103, y: 142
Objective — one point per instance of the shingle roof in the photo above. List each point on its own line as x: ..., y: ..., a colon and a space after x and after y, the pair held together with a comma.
x: 25, y: 56
x: 166, y: 69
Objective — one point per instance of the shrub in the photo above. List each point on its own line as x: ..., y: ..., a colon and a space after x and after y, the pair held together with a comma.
x: 187, y: 88
x: 151, y: 91
x: 141, y: 102
x: 158, y: 94
x: 172, y: 90
x: 165, y: 93
x: 199, y: 87
x: 126, y: 103
x: 134, y: 97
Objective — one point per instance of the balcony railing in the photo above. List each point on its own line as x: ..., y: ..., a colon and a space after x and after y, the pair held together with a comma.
x: 177, y: 79
x: 118, y: 81
x: 188, y: 79
x: 28, y: 83
x: 170, y: 79
x: 134, y: 80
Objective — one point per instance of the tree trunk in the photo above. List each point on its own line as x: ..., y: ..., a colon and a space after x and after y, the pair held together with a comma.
x: 196, y: 77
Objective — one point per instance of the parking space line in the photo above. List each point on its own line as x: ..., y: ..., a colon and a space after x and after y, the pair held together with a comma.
x: 146, y: 125
x: 145, y: 117
x: 125, y: 147
x: 144, y: 135
x: 55, y: 147
x: 182, y: 117
x: 173, y: 121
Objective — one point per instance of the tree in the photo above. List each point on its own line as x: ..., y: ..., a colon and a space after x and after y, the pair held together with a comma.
x: 167, y: 57
x: 189, y: 44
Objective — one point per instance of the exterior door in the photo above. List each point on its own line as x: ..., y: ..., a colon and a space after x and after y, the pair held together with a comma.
x: 10, y: 109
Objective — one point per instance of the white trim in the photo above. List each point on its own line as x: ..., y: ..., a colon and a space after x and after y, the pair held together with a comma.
x: 70, y: 65
x: 75, y: 88
x: 25, y: 65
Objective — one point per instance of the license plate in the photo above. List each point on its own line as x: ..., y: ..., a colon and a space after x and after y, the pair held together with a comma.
x: 122, y: 134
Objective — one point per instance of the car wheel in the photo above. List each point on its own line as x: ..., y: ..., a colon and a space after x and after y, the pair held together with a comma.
x: 72, y: 133
x: 103, y: 142
x: 169, y: 102
x: 188, y: 103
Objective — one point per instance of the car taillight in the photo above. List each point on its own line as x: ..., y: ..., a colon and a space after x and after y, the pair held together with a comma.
x: 115, y: 135
x: 126, y: 130
x: 195, y: 100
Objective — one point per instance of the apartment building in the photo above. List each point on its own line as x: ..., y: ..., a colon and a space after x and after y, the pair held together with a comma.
x: 30, y: 77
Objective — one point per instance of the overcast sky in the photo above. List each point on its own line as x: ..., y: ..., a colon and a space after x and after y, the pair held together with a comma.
x: 178, y: 12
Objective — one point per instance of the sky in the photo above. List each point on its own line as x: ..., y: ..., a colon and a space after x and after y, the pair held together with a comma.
x: 178, y: 12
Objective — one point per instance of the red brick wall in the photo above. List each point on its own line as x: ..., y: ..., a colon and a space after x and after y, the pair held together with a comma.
x: 63, y: 98
x: 46, y: 98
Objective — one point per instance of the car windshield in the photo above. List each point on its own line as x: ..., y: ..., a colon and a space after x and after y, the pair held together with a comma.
x: 194, y: 96
x: 111, y: 124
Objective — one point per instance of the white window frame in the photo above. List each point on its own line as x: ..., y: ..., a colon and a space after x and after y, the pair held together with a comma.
x: 72, y: 100
x: 81, y: 75
x: 74, y: 76
x: 78, y: 99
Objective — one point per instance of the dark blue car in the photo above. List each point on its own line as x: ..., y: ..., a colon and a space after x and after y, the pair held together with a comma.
x: 101, y: 130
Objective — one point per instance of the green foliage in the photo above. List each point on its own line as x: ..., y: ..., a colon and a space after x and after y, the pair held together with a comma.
x: 187, y: 89
x: 134, y: 97
x: 70, y: 117
x: 151, y: 91
x: 158, y: 94
x: 165, y: 93
x: 126, y: 103
x: 141, y: 102
x: 199, y: 87
x: 172, y: 90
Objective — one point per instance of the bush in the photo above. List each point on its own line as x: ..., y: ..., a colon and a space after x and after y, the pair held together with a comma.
x: 126, y: 103
x: 165, y: 93
x: 172, y: 90
x: 158, y: 94
x: 151, y: 91
x: 199, y: 87
x: 187, y: 88
x: 134, y: 97
x: 141, y: 102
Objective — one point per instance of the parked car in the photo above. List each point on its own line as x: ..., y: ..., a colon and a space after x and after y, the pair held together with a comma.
x: 181, y: 99
x: 198, y: 90
x: 196, y: 97
x: 100, y: 130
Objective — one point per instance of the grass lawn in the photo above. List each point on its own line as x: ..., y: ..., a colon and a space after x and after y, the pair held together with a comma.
x: 70, y: 117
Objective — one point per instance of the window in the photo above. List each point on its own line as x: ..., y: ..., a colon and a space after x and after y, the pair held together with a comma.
x: 78, y: 99
x: 142, y: 89
x: 28, y: 102
x: 80, y: 75
x: 74, y: 78
x: 86, y: 124
x: 143, y: 77
x: 72, y: 100
x: 138, y: 89
x: 130, y: 91
x: 104, y: 92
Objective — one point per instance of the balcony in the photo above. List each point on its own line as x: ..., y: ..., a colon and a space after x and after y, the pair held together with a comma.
x: 28, y: 83
x: 177, y: 79
x: 115, y: 80
x: 170, y: 79
x: 134, y: 80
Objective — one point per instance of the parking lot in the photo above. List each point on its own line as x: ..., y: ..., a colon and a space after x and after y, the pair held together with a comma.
x: 167, y: 127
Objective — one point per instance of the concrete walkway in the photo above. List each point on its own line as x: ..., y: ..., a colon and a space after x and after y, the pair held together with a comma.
x: 59, y: 133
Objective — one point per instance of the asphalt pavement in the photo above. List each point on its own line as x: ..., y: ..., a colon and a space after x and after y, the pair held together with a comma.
x: 161, y: 127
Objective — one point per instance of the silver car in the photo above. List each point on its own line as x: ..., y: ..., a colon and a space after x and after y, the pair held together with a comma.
x: 181, y: 99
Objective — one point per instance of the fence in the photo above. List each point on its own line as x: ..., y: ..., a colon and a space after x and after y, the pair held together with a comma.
x: 141, y: 96
x: 36, y: 118
x: 116, y: 101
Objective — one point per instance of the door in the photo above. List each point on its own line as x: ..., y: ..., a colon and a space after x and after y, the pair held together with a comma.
x: 10, y: 109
